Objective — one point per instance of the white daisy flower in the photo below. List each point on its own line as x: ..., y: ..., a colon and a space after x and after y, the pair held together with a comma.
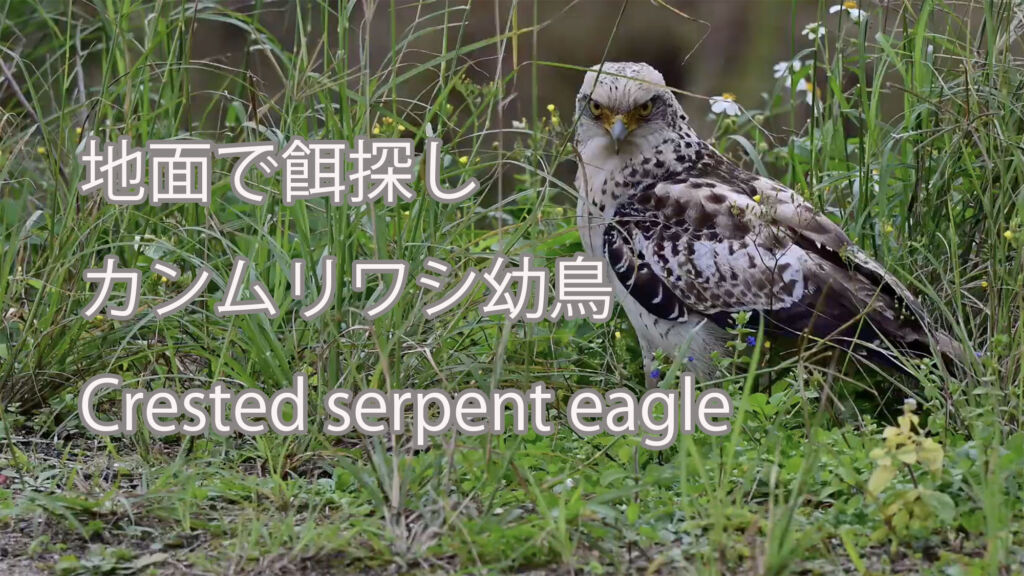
x: 872, y: 181
x: 725, y: 104
x: 786, y: 68
x: 567, y: 485
x: 807, y: 87
x: 850, y: 7
x: 814, y: 30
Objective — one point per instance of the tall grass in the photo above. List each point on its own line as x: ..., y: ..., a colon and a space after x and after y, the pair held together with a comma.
x: 916, y: 150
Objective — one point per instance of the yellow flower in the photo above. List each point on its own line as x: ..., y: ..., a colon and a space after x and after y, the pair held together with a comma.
x: 551, y: 107
x: 463, y: 159
x: 618, y: 334
x: 767, y: 344
x: 41, y: 151
x: 555, y: 121
x: 850, y: 5
x: 401, y: 128
x: 984, y: 284
x: 388, y: 120
x: 98, y: 318
x: 78, y: 130
x: 889, y: 229
x: 729, y: 96
x: 376, y: 129
x: 1008, y: 234
x: 163, y: 279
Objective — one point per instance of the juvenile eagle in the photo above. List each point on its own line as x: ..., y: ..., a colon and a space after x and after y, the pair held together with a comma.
x: 691, y: 238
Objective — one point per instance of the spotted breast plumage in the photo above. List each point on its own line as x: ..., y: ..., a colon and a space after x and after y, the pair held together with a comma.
x: 691, y: 238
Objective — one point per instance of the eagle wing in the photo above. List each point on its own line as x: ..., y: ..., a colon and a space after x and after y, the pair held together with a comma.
x: 719, y: 240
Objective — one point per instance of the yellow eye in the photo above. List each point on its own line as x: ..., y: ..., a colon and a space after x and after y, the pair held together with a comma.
x: 595, y: 108
x: 646, y: 108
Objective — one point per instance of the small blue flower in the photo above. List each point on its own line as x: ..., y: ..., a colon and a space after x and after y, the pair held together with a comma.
x: 979, y: 354
x: 689, y: 358
x: 751, y: 341
x: 656, y: 374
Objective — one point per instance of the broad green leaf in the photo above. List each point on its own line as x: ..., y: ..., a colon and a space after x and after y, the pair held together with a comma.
x: 880, y: 479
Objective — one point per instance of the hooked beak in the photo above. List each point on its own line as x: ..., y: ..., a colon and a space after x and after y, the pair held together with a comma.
x: 618, y: 130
